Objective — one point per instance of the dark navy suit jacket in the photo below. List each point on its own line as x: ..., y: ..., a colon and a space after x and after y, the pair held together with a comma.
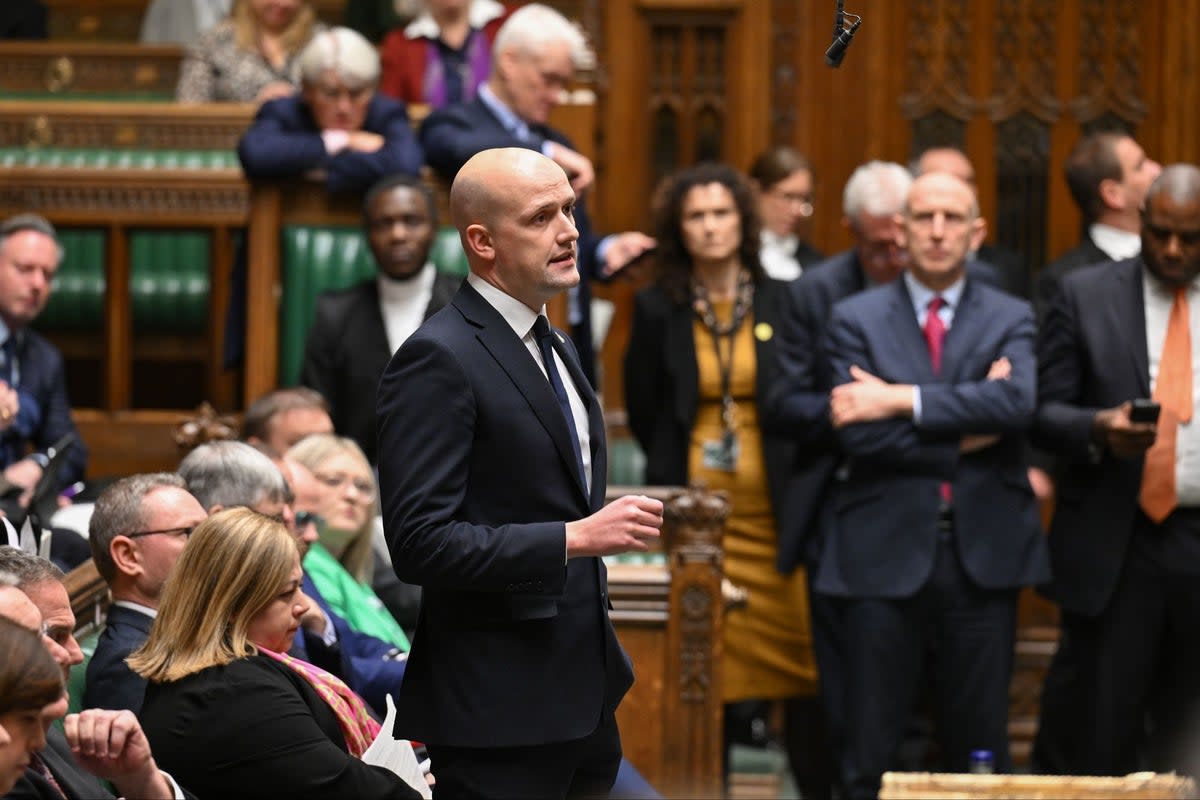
x: 514, y: 646
x: 1084, y: 254
x: 797, y: 401
x: 110, y: 681
x: 884, y: 521
x: 1092, y: 354
x: 452, y: 135
x: 43, y: 379
x: 347, y: 350
x: 285, y: 142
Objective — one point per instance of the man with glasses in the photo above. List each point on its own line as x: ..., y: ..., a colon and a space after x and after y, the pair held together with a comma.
x: 137, y: 531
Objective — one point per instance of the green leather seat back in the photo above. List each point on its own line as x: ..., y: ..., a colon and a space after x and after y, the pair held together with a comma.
x: 626, y: 463
x: 116, y: 158
x: 169, y: 280
x: 77, y: 299
x: 320, y: 258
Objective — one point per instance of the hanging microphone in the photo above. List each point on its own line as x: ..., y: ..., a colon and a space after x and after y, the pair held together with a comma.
x: 839, y: 19
x: 837, y: 51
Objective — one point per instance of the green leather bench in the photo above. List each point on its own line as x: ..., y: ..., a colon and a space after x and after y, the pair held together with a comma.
x: 169, y: 270
x: 320, y: 258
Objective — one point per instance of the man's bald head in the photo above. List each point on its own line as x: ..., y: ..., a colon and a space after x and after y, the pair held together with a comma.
x: 1179, y: 182
x: 492, y: 185
x: 489, y: 182
x: 944, y: 183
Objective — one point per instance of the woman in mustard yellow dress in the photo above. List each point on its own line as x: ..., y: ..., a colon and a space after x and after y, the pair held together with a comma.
x: 700, y: 357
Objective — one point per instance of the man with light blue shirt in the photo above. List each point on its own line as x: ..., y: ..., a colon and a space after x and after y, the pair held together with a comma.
x: 533, y: 60
x: 932, y: 526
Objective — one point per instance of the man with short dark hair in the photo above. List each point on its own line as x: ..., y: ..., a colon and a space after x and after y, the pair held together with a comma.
x: 1108, y: 174
x: 138, y: 528
x: 356, y: 330
x: 34, y: 409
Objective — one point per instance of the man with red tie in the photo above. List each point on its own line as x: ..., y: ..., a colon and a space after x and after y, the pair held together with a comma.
x: 931, y: 524
x: 1125, y: 541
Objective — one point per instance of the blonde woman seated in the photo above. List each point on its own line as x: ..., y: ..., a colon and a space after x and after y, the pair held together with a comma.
x: 228, y: 713
x: 250, y: 57
x: 341, y: 563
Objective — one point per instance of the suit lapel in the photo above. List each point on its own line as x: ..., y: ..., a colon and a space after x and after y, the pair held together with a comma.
x: 499, y: 339
x: 1129, y: 308
x: 902, y: 323
x: 374, y: 328
x: 960, y: 338
x: 765, y: 320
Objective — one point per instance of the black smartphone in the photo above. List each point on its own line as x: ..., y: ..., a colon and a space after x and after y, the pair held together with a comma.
x: 1144, y: 411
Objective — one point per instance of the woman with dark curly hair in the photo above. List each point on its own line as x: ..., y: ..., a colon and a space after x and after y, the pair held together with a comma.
x: 700, y: 358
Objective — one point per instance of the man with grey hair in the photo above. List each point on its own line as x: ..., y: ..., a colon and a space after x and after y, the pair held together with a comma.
x: 338, y: 126
x: 138, y: 528
x: 34, y: 409
x: 533, y: 61
x: 798, y: 404
x: 227, y: 474
x: 69, y: 763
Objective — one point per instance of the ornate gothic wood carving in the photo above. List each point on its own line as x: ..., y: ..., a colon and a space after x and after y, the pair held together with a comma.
x: 1110, y: 57
x: 1024, y: 64
x: 687, y: 88
x: 785, y: 39
x: 939, y: 60
x: 938, y: 129
x: 1022, y: 176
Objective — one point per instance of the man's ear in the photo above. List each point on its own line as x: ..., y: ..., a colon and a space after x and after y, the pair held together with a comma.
x: 1112, y: 194
x: 125, y: 556
x: 978, y: 233
x: 901, y: 232
x: 479, y: 241
x: 215, y: 508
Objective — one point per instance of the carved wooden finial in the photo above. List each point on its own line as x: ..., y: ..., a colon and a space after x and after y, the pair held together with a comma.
x: 206, y: 426
x: 696, y: 516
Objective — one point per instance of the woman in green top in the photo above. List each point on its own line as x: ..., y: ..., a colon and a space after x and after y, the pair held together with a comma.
x: 341, y: 562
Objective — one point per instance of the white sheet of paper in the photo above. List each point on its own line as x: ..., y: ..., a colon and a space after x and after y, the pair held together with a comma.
x: 396, y: 754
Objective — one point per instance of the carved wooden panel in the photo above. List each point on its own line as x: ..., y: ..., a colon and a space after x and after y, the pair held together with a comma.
x: 86, y: 67
x: 1109, y: 62
x: 687, y: 99
x: 123, y: 125
x: 1022, y: 177
x: 939, y: 60
x: 786, y: 26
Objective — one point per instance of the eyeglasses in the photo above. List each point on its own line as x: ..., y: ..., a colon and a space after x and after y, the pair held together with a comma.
x: 803, y: 201
x: 59, y: 634
x: 364, y: 486
x: 184, y: 532
x: 306, y: 518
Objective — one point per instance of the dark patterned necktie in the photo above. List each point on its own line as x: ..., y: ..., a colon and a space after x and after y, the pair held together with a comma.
x: 545, y: 341
x: 39, y: 766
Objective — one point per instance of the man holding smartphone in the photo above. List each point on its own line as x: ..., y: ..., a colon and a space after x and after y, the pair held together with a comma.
x: 1117, y: 399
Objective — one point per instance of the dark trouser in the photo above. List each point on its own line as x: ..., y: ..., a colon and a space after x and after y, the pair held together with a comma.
x: 1126, y: 685
x: 973, y: 631
x: 829, y: 647
x: 584, y: 768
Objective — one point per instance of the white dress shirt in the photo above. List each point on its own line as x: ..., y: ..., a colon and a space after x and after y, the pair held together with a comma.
x: 521, y: 318
x: 922, y: 296
x: 1116, y: 243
